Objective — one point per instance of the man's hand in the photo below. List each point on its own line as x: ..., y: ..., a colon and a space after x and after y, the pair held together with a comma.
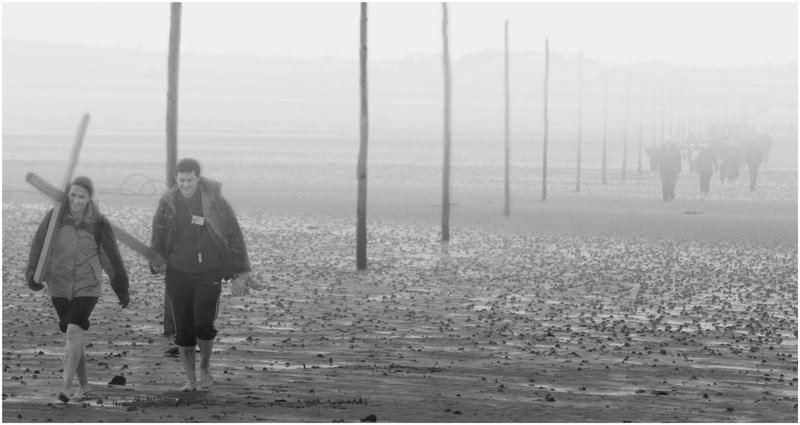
x: 124, y: 301
x: 251, y: 282
x: 238, y: 288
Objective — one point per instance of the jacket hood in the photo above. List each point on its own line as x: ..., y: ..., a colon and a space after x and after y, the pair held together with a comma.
x: 93, y: 213
x: 206, y: 186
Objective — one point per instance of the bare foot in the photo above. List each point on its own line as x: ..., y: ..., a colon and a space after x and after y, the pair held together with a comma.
x: 206, y: 380
x: 189, y: 387
x: 81, y: 392
x: 63, y: 398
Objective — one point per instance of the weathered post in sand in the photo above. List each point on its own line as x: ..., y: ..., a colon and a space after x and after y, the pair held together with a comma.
x: 361, y: 226
x: 641, y: 118
x: 544, y: 145
x: 507, y: 203
x: 172, y: 91
x: 172, y: 124
x: 580, y: 123
x: 605, y: 124
x: 662, y: 116
x: 653, y: 124
x: 672, y: 115
x: 625, y: 130
x: 446, y: 166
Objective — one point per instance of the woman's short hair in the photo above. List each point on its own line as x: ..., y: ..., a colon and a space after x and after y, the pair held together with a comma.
x: 84, y: 182
x: 187, y: 165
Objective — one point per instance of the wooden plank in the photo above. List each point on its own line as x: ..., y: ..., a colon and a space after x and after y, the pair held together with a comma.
x: 53, y: 192
x: 52, y: 226
x: 47, y: 247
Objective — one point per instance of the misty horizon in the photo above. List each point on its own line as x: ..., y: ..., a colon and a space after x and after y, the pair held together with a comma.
x: 126, y: 88
x: 715, y: 34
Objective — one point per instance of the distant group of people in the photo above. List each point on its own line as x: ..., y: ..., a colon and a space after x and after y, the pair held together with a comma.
x: 726, y: 158
x: 194, y: 229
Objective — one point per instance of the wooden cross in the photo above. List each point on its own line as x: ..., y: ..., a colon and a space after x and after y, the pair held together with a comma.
x: 60, y: 197
x: 138, y: 246
x: 44, y: 257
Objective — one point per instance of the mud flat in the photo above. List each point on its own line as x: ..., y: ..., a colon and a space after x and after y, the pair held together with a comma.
x: 580, y: 309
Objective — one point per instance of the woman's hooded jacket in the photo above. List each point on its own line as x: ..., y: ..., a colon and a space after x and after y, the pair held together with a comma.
x: 81, y: 252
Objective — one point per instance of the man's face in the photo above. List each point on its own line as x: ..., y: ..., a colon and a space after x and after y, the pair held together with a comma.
x: 187, y: 183
x: 78, y: 198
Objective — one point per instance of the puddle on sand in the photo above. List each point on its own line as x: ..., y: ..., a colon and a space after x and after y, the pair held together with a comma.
x: 278, y: 366
x: 28, y: 352
x: 724, y: 367
x: 619, y: 391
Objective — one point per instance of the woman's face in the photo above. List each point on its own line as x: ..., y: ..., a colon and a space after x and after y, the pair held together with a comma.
x: 187, y: 183
x: 78, y: 199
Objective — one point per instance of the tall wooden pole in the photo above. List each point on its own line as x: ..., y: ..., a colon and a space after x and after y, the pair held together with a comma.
x: 446, y: 165
x: 641, y: 118
x: 580, y: 123
x: 361, y: 226
x: 172, y: 91
x: 712, y: 123
x: 172, y: 125
x: 671, y: 114
x: 507, y: 203
x: 662, y: 116
x: 625, y: 135
x: 680, y: 120
x: 605, y: 124
x: 653, y: 116
x: 544, y: 145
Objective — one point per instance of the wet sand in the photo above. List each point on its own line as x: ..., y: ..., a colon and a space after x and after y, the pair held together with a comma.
x: 583, y: 308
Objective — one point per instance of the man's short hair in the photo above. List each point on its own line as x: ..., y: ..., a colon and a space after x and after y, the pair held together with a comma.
x: 187, y: 165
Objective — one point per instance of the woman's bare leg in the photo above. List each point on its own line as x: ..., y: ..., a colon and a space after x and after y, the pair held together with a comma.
x: 83, y: 381
x: 72, y: 358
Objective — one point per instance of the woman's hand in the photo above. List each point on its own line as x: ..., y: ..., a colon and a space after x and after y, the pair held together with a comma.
x: 35, y: 286
x: 160, y: 268
x: 124, y: 301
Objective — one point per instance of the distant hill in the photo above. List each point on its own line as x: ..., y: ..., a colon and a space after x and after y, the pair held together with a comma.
x: 56, y: 82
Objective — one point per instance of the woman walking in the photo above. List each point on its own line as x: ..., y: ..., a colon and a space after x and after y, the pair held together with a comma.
x: 83, y: 246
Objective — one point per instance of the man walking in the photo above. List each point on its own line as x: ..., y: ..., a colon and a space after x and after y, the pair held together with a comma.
x: 669, y: 165
x: 705, y: 166
x: 196, y: 230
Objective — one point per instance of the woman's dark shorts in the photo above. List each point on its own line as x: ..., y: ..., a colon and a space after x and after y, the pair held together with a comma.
x: 75, y: 311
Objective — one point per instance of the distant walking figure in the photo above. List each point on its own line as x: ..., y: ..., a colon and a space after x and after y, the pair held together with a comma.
x: 669, y: 164
x: 84, y: 247
x: 753, y: 155
x: 730, y: 161
x: 705, y: 165
x: 196, y: 230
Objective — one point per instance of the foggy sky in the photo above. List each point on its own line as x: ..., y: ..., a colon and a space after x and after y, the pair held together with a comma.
x: 708, y: 34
